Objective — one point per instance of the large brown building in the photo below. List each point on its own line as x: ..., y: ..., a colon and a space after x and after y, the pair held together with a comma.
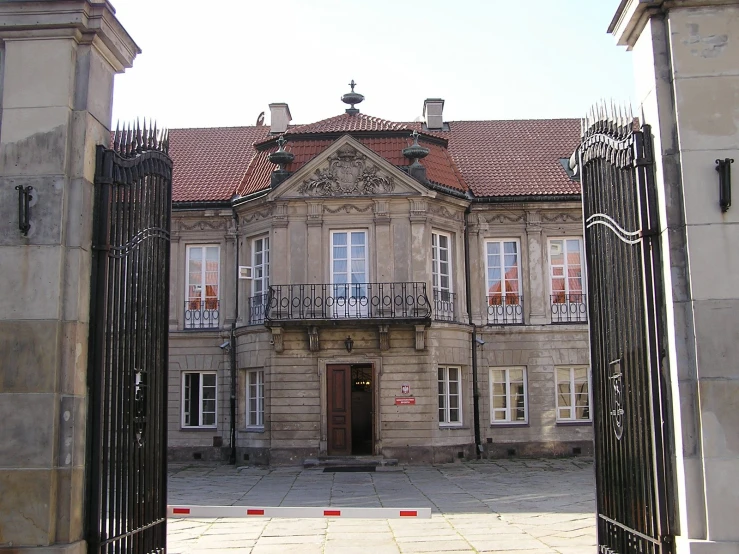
x: 366, y: 287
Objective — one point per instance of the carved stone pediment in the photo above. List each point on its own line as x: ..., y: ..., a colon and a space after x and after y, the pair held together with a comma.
x: 349, y: 173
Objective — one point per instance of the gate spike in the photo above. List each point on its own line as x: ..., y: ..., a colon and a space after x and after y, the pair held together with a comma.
x: 155, y: 136
x: 138, y: 136
x: 116, y: 137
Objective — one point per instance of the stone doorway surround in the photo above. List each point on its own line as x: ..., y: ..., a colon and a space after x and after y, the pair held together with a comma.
x: 350, y: 360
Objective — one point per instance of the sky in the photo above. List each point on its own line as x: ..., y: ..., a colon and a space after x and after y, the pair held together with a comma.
x: 221, y: 63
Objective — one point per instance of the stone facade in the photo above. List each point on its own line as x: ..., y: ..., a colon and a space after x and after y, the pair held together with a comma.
x: 294, y: 356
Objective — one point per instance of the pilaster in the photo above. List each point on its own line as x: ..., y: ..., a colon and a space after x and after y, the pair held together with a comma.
x: 60, y: 58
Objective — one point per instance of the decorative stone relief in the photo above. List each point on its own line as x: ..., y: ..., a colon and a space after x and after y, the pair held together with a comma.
x: 444, y: 212
x: 280, y: 215
x: 418, y: 207
x: 313, y: 339
x: 348, y: 173
x: 420, y: 337
x: 277, y: 341
x: 503, y: 218
x: 382, y: 211
x: 348, y: 209
x: 561, y: 218
x: 533, y: 220
x: 384, y: 337
x: 256, y: 216
x: 203, y: 225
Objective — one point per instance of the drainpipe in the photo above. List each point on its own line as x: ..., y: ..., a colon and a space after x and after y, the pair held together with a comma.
x: 475, y: 390
x: 232, y: 430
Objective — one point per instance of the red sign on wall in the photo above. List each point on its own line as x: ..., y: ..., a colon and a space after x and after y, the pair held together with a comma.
x: 408, y: 401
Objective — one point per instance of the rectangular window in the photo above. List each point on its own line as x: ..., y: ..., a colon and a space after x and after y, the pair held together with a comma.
x: 450, y: 395
x: 260, y: 280
x: 508, y: 395
x: 504, y: 291
x: 573, y: 393
x: 349, y: 273
x: 441, y: 276
x: 199, y: 399
x: 255, y: 398
x: 566, y: 281
x: 202, y: 300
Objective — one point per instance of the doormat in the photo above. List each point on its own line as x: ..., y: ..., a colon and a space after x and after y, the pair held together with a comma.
x: 349, y: 469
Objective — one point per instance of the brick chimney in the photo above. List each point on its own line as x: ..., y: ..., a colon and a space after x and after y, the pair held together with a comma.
x: 279, y: 118
x: 433, y: 108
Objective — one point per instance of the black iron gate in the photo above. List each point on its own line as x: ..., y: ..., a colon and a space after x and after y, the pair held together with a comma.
x: 624, y: 282
x: 127, y: 438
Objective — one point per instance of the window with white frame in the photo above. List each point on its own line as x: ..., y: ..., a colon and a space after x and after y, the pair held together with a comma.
x: 255, y: 398
x: 199, y: 399
x: 202, y: 286
x: 566, y: 280
x: 450, y: 395
x: 441, y: 276
x: 508, y: 403
x: 504, y: 291
x: 260, y: 265
x: 573, y: 393
x: 349, y: 272
x: 260, y: 279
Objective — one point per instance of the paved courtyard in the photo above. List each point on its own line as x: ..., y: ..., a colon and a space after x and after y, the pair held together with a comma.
x: 520, y: 506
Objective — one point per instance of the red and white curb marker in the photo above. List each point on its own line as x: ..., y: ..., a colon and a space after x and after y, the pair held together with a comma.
x: 297, y: 512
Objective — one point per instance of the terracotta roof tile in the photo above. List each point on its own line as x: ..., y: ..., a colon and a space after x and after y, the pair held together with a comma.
x: 516, y: 157
x: 493, y: 158
x: 209, y: 163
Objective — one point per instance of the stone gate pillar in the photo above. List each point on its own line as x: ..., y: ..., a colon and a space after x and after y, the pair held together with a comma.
x: 686, y: 59
x: 57, y: 63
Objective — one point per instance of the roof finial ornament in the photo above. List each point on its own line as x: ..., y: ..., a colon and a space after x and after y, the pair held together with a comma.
x: 352, y: 98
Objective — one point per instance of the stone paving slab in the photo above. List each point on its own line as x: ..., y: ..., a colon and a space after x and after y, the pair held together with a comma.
x: 517, y: 506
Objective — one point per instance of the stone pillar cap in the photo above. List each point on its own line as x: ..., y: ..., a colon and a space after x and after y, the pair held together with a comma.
x: 632, y: 15
x: 87, y: 20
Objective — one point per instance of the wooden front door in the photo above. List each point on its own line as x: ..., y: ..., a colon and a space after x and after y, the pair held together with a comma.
x: 339, y: 410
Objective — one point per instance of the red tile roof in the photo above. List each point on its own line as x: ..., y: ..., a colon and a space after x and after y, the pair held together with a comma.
x: 516, y: 157
x: 440, y: 168
x: 493, y: 158
x: 209, y: 163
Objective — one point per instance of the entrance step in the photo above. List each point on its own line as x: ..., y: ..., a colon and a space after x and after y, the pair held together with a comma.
x: 348, y: 461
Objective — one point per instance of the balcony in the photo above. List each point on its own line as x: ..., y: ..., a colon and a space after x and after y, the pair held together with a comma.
x: 505, y: 310
x: 202, y: 314
x: 569, y: 308
x: 356, y: 301
x: 257, y: 306
x: 444, y: 305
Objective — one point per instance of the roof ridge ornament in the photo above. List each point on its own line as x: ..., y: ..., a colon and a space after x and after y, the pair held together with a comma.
x: 352, y: 98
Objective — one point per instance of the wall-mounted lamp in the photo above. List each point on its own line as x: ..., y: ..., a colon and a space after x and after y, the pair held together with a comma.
x: 724, y: 182
x: 349, y: 343
x: 24, y: 212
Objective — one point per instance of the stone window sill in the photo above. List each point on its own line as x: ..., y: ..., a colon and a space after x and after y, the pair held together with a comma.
x: 582, y: 423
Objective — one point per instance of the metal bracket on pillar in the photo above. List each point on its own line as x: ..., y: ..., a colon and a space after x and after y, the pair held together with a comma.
x: 724, y: 182
x: 24, y: 209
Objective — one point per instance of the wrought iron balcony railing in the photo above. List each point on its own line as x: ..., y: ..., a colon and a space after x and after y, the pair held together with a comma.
x: 569, y: 308
x: 390, y: 301
x: 444, y: 304
x: 257, y: 308
x: 505, y: 310
x: 202, y: 314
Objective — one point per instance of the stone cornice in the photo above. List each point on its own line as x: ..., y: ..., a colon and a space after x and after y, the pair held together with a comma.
x: 88, y: 21
x: 632, y: 16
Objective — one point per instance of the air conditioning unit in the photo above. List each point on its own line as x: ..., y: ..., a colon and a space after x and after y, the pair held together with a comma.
x: 245, y: 272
